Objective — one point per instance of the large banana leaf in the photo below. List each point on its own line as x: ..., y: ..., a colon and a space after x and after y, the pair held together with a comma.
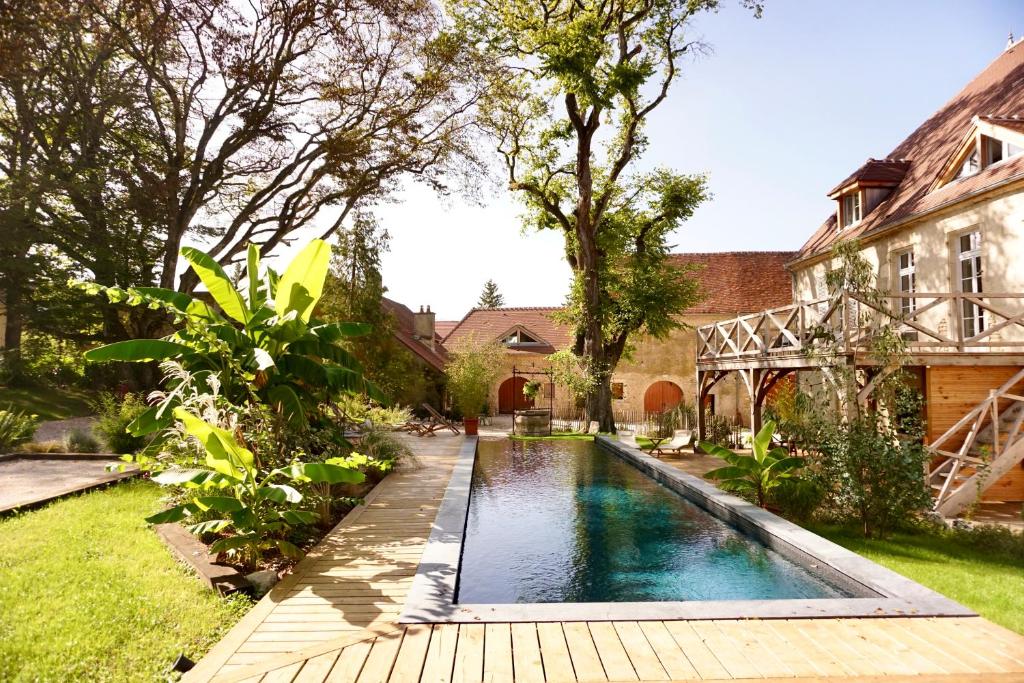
x: 137, y: 350
x: 218, y: 283
x: 302, y: 284
x: 284, y: 399
x: 223, y: 453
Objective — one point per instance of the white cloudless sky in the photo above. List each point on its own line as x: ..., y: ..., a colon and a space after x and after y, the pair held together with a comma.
x: 782, y: 109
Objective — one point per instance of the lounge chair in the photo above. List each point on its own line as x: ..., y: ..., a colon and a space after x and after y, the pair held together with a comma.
x: 439, y: 421
x: 675, y: 445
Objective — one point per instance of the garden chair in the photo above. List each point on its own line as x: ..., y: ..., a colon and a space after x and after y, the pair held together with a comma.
x: 439, y: 421
x: 675, y: 445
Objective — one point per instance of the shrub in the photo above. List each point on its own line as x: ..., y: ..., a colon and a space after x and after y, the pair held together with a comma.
x: 115, y: 414
x: 473, y: 369
x: 16, y: 428
x: 718, y: 429
x: 798, y: 499
x: 82, y: 441
x: 383, y: 448
x: 871, y: 473
x: 43, y: 447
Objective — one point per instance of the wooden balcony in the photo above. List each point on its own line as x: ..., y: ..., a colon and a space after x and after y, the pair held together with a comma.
x: 939, y: 328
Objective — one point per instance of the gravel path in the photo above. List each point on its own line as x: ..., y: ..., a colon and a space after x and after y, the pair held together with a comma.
x: 58, y: 430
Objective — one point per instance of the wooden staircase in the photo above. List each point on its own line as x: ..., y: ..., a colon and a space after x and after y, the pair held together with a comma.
x: 994, y: 443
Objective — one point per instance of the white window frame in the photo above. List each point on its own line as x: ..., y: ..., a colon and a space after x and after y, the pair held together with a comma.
x: 854, y: 215
x: 972, y: 316
x: 907, y: 305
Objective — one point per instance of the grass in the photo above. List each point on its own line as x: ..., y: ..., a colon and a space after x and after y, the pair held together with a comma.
x: 988, y: 580
x: 556, y: 436
x: 49, y: 403
x: 88, y: 592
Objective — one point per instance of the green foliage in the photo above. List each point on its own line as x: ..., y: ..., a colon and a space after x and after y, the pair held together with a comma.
x: 115, y: 415
x: 572, y: 371
x: 471, y: 371
x: 357, y: 409
x: 797, y: 414
x: 490, y: 297
x: 92, y: 594
x: 871, y: 473
x: 798, y: 498
x: 271, y: 351
x: 384, y: 449
x: 718, y: 428
x: 48, y: 359
x: 258, y: 508
x: 48, y: 402
x: 758, y: 474
x: 531, y: 390
x: 16, y: 428
x: 82, y: 441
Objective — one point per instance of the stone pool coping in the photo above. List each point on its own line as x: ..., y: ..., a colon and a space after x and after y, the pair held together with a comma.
x: 881, y: 592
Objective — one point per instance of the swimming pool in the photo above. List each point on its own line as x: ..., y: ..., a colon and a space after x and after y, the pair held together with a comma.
x: 600, y: 531
x: 565, y: 521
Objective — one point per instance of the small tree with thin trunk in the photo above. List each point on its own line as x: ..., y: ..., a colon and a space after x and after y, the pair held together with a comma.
x: 490, y: 297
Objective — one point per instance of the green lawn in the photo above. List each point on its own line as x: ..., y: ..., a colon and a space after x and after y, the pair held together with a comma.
x: 556, y: 436
x: 48, y: 403
x: 88, y: 592
x: 989, y: 581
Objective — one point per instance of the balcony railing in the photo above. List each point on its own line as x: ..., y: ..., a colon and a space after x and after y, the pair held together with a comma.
x: 947, y: 322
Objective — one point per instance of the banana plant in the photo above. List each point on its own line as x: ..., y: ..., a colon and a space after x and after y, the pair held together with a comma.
x: 757, y: 474
x: 260, y: 340
x: 259, y: 508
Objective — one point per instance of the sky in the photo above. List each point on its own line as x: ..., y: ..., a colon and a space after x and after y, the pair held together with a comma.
x: 782, y: 109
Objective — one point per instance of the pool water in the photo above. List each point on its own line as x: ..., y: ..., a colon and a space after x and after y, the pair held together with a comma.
x: 564, y: 521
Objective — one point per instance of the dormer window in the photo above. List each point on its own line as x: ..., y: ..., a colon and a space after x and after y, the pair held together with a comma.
x: 970, y: 166
x: 850, y: 212
x: 519, y: 338
x: 991, y: 140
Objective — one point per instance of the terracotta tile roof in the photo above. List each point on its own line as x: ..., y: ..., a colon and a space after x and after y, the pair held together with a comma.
x: 876, y: 173
x: 997, y: 92
x: 491, y: 323
x: 740, y: 281
x: 443, y: 327
x: 436, y: 357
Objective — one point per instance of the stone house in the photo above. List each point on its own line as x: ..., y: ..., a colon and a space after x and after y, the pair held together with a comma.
x: 659, y: 373
x: 940, y: 219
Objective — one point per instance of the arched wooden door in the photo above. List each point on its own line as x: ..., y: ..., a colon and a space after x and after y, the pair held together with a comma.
x: 662, y: 396
x: 510, y: 396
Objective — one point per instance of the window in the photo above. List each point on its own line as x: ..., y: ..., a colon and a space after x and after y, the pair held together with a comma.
x: 518, y: 337
x: 906, y: 281
x: 618, y: 390
x: 851, y: 209
x: 970, y: 165
x: 969, y: 273
x: 994, y: 150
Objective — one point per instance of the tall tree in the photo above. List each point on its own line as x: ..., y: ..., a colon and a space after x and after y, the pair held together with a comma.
x: 580, y: 80
x: 490, y: 297
x: 278, y: 115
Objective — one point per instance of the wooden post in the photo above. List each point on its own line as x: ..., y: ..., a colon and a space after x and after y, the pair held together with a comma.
x: 756, y: 399
x: 701, y: 426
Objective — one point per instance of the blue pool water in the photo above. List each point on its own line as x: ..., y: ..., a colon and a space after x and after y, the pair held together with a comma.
x: 564, y: 521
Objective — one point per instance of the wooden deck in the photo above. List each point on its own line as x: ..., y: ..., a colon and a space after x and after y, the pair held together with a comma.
x: 333, y: 620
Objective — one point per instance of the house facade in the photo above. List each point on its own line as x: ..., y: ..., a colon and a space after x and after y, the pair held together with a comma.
x: 940, y: 219
x: 658, y: 374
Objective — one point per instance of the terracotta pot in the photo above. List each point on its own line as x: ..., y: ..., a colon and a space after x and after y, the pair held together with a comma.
x: 470, y: 424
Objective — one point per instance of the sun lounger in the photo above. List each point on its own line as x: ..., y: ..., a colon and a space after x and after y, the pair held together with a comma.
x: 439, y: 421
x: 675, y: 445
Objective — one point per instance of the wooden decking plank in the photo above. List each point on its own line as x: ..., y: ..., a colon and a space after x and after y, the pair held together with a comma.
x: 412, y: 654
x: 903, y: 646
x: 820, y: 659
x: 380, y: 661
x: 526, y: 660
x: 696, y: 650
x: 286, y: 674
x: 786, y: 652
x: 987, y: 659
x: 585, y: 660
x: 672, y: 658
x: 645, y: 661
x: 316, y: 669
x: 440, y: 660
x: 766, y: 662
x: 727, y: 652
x: 469, y: 654
x: 555, y: 653
x: 498, y: 666
x: 884, y: 658
x: 350, y: 663
x: 616, y: 663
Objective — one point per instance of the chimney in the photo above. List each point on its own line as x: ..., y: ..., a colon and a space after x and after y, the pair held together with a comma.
x: 423, y: 327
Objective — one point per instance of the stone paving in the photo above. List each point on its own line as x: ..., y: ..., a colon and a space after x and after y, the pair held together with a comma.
x: 29, y: 479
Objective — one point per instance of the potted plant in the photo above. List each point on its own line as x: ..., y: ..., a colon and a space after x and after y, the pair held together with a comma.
x: 472, y: 370
x: 531, y: 389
